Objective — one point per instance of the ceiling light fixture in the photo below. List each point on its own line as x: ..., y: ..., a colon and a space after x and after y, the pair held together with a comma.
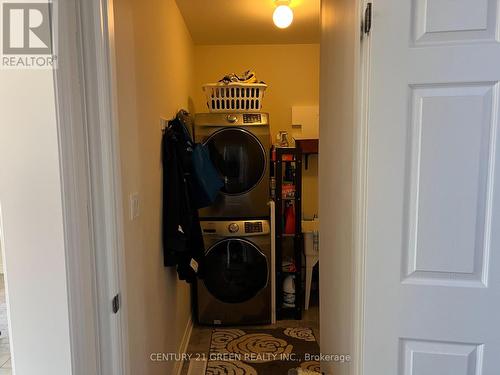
x: 283, y: 14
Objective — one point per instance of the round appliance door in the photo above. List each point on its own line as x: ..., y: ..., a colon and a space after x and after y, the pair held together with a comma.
x: 236, y: 270
x: 239, y: 157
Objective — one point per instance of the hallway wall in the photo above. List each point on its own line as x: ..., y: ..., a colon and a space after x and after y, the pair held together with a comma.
x: 339, y: 121
x: 154, y: 54
x: 31, y: 223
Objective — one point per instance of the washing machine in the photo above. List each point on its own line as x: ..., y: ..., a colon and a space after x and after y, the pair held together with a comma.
x: 239, y: 146
x: 236, y: 288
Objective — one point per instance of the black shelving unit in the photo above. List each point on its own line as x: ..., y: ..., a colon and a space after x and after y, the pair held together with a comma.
x: 287, y: 168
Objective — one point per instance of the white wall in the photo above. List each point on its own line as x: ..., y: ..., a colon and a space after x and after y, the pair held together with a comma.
x: 32, y: 225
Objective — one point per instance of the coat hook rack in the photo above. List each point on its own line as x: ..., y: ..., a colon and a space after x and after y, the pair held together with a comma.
x: 163, y: 124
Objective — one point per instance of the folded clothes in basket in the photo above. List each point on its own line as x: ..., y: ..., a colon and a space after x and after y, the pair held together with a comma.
x: 247, y: 77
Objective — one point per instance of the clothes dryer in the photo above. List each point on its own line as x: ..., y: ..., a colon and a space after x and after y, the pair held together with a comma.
x: 239, y: 146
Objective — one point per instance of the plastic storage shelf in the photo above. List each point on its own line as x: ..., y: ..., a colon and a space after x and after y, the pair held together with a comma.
x: 282, y: 158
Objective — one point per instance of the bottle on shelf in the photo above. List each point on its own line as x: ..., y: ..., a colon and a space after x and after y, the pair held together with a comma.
x: 289, y: 291
x: 289, y: 218
x: 283, y: 139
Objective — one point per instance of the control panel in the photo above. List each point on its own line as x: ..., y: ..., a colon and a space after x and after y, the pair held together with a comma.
x: 251, y: 118
x: 242, y: 228
x: 253, y: 227
x: 232, y: 119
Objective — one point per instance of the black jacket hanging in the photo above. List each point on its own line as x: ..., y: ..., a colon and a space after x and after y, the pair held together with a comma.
x: 182, y: 238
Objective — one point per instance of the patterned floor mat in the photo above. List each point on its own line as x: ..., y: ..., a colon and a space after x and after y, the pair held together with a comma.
x: 262, y: 352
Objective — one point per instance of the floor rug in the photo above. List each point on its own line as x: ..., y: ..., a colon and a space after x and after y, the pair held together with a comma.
x: 262, y: 351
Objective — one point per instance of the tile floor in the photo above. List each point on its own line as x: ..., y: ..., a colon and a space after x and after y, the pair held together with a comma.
x: 5, y: 362
x: 200, y: 337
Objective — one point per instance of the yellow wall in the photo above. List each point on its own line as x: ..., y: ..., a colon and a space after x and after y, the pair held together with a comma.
x: 155, y: 57
x: 292, y: 73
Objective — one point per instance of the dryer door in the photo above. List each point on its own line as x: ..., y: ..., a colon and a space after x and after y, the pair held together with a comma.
x: 236, y: 270
x: 239, y: 157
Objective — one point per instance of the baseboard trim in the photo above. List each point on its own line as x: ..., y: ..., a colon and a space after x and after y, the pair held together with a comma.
x: 197, y: 367
x: 184, y: 345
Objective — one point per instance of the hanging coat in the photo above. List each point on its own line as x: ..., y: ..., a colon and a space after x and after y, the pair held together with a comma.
x: 182, y: 237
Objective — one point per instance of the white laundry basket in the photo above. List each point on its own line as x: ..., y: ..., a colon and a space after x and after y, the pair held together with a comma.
x: 234, y: 97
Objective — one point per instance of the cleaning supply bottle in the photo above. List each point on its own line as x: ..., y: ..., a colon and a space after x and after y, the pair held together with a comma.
x: 290, y: 218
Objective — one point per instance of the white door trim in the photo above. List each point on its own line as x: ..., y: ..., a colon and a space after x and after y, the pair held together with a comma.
x: 80, y: 255
x: 89, y: 112
x: 90, y: 173
x: 349, y: 309
x: 360, y: 186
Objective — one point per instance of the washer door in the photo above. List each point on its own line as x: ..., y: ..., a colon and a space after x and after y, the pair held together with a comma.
x: 239, y: 157
x: 236, y: 270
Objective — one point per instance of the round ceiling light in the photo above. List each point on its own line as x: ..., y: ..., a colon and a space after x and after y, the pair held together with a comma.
x: 283, y: 16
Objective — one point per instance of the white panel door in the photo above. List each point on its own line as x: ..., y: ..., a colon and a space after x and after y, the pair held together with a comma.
x: 432, y: 304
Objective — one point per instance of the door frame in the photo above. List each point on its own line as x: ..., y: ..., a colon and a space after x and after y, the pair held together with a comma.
x: 91, y: 186
x: 92, y: 196
x: 351, y: 313
x: 360, y: 191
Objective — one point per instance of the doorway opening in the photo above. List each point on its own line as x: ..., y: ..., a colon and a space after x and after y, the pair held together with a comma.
x: 263, y: 261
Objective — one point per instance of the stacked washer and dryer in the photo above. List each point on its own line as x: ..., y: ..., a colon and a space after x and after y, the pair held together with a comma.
x: 236, y: 288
